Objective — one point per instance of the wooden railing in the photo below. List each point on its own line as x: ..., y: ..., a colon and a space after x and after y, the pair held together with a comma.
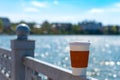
x: 20, y: 64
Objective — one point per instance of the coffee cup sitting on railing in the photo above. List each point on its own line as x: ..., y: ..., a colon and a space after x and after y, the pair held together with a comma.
x: 79, y: 55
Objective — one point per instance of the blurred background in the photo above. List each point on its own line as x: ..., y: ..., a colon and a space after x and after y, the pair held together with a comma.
x: 61, y: 16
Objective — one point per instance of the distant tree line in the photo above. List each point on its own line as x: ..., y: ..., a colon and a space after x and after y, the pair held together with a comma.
x: 47, y: 28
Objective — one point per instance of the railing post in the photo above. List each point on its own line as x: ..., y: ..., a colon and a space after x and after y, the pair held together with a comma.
x: 21, y: 47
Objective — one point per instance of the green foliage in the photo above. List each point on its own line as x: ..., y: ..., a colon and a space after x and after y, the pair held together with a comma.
x: 114, y: 30
x: 1, y: 26
x: 105, y: 30
x: 46, y: 27
x: 76, y: 29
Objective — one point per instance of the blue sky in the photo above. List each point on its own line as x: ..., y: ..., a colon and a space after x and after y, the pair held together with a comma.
x: 105, y: 11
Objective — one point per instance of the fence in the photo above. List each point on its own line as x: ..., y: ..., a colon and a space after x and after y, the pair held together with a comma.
x: 20, y: 64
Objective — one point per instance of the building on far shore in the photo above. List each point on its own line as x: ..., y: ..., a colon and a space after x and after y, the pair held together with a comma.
x: 90, y: 25
x: 6, y: 22
x: 62, y: 26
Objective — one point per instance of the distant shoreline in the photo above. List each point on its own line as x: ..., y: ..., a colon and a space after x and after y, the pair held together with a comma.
x: 64, y: 35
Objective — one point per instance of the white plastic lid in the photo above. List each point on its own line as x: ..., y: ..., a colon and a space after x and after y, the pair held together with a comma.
x: 79, y: 46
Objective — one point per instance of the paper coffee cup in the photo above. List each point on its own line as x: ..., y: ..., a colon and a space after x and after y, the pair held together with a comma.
x: 79, y: 55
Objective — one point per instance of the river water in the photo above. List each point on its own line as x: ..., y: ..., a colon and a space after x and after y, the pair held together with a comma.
x: 104, y: 60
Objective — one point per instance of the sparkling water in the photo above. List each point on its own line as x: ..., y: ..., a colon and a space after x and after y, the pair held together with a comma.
x: 104, y: 60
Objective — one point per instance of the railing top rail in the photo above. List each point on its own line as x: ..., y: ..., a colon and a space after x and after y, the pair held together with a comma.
x: 51, y: 71
x: 5, y: 51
